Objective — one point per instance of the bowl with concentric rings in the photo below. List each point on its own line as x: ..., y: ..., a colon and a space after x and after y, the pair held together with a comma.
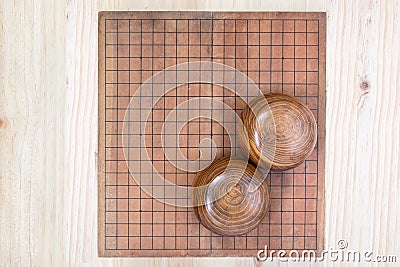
x: 232, y: 197
x: 278, y: 135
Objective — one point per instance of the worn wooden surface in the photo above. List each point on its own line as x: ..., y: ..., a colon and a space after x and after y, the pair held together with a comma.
x: 48, y: 116
x: 131, y: 223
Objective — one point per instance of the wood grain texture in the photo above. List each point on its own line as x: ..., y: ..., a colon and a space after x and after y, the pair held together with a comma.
x: 48, y: 131
x: 163, y: 233
x: 231, y: 189
x: 282, y: 122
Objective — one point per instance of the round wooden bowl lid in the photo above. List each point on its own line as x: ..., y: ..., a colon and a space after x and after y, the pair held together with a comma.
x: 289, y: 121
x: 244, y: 201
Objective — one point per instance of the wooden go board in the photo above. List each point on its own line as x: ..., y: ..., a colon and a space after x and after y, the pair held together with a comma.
x: 280, y: 52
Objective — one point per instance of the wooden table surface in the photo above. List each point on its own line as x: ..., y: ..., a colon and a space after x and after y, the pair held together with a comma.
x: 48, y: 127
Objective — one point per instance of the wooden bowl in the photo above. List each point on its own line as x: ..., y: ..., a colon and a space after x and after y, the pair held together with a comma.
x: 244, y: 201
x: 295, y: 131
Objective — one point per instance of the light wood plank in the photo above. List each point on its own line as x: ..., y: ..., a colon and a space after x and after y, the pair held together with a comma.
x: 32, y: 85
